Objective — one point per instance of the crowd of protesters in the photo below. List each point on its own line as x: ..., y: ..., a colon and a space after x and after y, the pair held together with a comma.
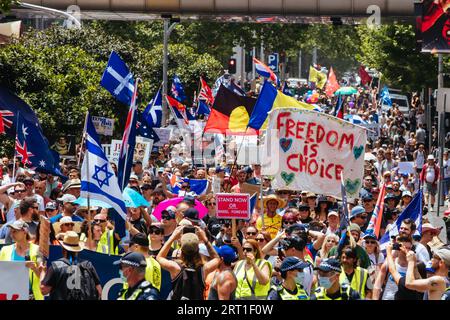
x: 293, y: 248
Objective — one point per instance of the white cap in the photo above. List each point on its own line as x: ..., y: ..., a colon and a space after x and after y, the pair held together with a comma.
x: 65, y: 220
x: 67, y: 198
x: 406, y: 193
x: 430, y: 157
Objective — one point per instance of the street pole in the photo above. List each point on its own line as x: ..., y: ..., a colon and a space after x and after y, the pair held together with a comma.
x: 261, y: 57
x: 314, y: 56
x: 168, y: 28
x: 253, y: 65
x: 441, y: 133
x: 300, y: 64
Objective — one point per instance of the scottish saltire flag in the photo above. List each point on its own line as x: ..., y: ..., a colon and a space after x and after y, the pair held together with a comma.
x: 412, y: 211
x: 343, y: 214
x: 177, y: 89
x: 266, y: 72
x: 98, y: 180
x: 118, y: 79
x: 144, y: 129
x: 385, y: 97
x: 205, y: 93
x: 339, y: 109
x: 270, y: 98
x: 355, y: 119
x: 377, y: 215
x: 128, y: 143
x: 203, y: 108
x: 32, y: 148
x: 153, y: 111
x: 286, y: 89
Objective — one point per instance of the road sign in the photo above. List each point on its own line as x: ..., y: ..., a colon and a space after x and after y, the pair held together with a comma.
x: 443, y: 100
x: 232, y: 206
x: 273, y: 61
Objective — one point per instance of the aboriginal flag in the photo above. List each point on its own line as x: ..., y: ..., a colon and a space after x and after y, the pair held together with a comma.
x: 230, y: 113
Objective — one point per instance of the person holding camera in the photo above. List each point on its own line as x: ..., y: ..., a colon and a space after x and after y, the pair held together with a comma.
x: 188, y: 272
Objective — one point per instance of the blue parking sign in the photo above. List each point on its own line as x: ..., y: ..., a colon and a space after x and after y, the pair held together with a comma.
x: 272, y: 61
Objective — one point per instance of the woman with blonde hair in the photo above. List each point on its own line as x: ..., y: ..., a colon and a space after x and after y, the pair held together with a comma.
x: 252, y: 273
x: 330, y: 241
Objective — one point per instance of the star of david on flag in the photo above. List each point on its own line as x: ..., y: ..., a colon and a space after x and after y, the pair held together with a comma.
x: 118, y: 79
x: 98, y: 181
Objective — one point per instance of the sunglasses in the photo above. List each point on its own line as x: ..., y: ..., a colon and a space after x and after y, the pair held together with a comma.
x: 362, y: 216
x: 289, y: 222
x: 99, y: 220
x: 35, y: 207
x: 49, y: 210
x: 371, y: 242
x: 68, y: 224
x: 19, y: 191
x: 251, y: 233
x: 331, y: 240
x: 247, y: 249
x: 155, y: 231
x: 167, y: 217
x: 210, y: 203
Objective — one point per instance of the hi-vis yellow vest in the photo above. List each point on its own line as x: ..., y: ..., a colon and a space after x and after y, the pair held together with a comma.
x: 6, y: 255
x: 152, y: 273
x: 248, y: 287
x: 106, y: 243
x: 359, y: 280
x: 321, y: 294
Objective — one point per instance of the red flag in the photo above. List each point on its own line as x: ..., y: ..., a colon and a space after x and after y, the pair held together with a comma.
x: 365, y: 77
x: 206, y: 93
x: 332, y: 84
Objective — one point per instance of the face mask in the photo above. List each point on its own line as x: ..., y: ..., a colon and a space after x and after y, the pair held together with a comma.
x: 300, y: 277
x: 325, y: 282
x: 122, y: 276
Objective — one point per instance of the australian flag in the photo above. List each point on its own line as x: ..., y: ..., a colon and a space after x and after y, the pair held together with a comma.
x: 203, y: 108
x: 153, y: 111
x: 118, y: 79
x: 177, y: 89
x: 98, y: 180
x: 144, y: 129
x: 32, y: 148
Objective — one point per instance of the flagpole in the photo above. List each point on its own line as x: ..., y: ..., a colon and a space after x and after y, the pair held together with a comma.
x: 133, y: 105
x: 90, y: 243
x: 83, y: 136
x: 15, y: 146
x: 260, y: 186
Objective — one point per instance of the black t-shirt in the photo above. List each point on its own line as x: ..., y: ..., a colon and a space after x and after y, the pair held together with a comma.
x: 404, y: 293
x: 140, y: 225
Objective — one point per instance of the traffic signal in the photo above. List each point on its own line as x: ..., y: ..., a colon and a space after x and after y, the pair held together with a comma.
x: 232, y: 65
x: 248, y: 61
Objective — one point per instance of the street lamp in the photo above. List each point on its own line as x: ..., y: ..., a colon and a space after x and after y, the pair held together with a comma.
x: 169, y: 25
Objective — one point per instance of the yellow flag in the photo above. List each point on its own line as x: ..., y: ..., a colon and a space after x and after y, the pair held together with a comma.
x: 319, y: 78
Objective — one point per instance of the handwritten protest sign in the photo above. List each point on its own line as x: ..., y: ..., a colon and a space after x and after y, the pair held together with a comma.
x: 406, y: 167
x: 163, y: 135
x: 142, y: 150
x: 44, y: 236
x: 313, y: 151
x: 373, y: 132
x: 14, y: 281
x: 104, y: 126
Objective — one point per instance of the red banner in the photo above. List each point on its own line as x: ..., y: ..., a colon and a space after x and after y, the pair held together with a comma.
x: 232, y: 206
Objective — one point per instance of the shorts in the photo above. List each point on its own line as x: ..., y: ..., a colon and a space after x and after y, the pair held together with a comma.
x: 430, y: 188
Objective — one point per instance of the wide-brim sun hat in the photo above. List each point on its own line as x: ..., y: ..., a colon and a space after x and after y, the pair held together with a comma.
x: 281, y: 202
x: 71, y: 242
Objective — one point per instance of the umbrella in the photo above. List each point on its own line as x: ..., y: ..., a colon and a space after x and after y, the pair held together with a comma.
x: 369, y: 157
x: 355, y: 119
x: 82, y: 202
x: 346, y: 91
x: 202, y: 210
x: 134, y: 199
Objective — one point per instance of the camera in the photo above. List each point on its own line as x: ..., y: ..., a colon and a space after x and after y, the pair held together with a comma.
x: 396, y: 246
x: 188, y: 229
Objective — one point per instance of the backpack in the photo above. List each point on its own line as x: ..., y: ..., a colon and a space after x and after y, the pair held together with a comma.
x: 188, y: 285
x: 79, y: 280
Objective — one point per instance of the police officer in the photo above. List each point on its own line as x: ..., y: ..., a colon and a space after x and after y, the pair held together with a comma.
x: 292, y: 286
x: 132, y: 271
x: 329, y: 286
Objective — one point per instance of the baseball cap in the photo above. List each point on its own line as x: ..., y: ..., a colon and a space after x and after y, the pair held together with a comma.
x: 18, y: 225
x: 406, y: 193
x: 292, y: 263
x: 190, y: 200
x: 50, y: 206
x: 67, y: 198
x: 367, y: 197
x: 370, y: 236
x: 134, y: 259
x: 189, y: 243
x: 354, y: 227
x: 357, y: 210
x: 444, y: 254
x: 389, y: 196
x: 333, y: 213
x: 140, y: 239
x: 168, y: 213
x: 303, y: 207
x: 134, y: 177
x: 64, y: 220
x: 227, y: 253
x: 430, y: 157
x: 191, y: 214
x: 328, y: 265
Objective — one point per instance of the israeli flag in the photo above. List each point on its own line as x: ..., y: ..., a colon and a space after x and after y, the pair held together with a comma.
x: 98, y: 180
x: 118, y: 79
x: 153, y: 111
x: 355, y: 119
x: 412, y: 211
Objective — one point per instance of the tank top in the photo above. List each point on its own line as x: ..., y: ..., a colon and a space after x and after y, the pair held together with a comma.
x: 391, y: 287
x: 10, y: 215
x: 213, y: 295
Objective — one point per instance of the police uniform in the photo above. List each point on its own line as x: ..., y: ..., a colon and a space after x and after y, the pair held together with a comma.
x: 284, y: 294
x: 142, y: 291
x: 345, y: 293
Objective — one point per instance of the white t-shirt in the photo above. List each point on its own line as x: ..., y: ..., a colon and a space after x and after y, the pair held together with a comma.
x: 391, y: 287
x: 430, y: 175
x: 422, y: 253
x: 420, y: 159
x: 447, y: 169
x: 374, y: 261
